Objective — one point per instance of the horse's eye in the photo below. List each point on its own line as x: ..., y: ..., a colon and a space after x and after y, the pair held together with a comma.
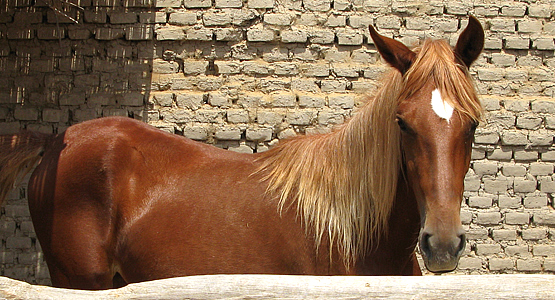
x: 402, y: 125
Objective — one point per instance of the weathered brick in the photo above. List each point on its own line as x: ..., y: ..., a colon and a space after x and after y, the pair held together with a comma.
x: 229, y: 34
x: 470, y: 263
x: 18, y: 242
x: 388, y: 22
x: 514, y: 138
x: 543, y: 43
x: 488, y: 218
x: 502, y: 25
x: 260, y: 3
x: 488, y: 249
x: 294, y: 36
x: 524, y: 186
x: 348, y: 37
x: 485, y: 168
x: 317, y: 5
x: 197, y: 3
x: 528, y: 265
x: 525, y: 155
x: 185, y: 18
x: 544, y: 218
x: 496, y: 186
x: 123, y: 18
x: 228, y: 3
x: 301, y: 117
x: 513, y: 170
x: 201, y: 34
x: 26, y: 114
x: 237, y: 116
x: 219, y: 100
x: 170, y: 33
x: 259, y: 134
x: 540, y: 138
x: 480, y: 202
x: 500, y: 264
x: 517, y: 218
x: 504, y: 235
x: 311, y: 101
x: 196, y: 132
x: 260, y: 35
x: 189, y: 100
x: 228, y: 133
x: 534, y: 234
x: 535, y: 201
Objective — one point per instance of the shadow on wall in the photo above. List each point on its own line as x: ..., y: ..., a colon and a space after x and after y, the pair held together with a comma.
x: 64, y: 62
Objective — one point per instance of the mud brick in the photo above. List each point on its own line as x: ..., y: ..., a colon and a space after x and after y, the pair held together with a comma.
x: 541, y: 169
x: 195, y: 132
x: 528, y: 265
x: 487, y: 249
x: 54, y: 115
x: 517, y: 218
x: 535, y: 201
x: 544, y: 218
x: 294, y: 36
x: 260, y: 35
x: 517, y: 250
x: 470, y: 263
x: 187, y: 18
x: 197, y: 3
x: 485, y: 168
x: 237, y: 116
x: 488, y: 218
x: 228, y: 3
x: 18, y: 243
x: 518, y: 43
x: 504, y: 235
x: 543, y: 106
x: 189, y: 100
x: 500, y: 264
x: 169, y: 3
x: 259, y: 134
x: 228, y: 133
x: 525, y: 155
x: 480, y: 202
x: 201, y: 34
x: 229, y: 34
x: 534, y: 234
x: 317, y: 5
x: 260, y: 3
x: 525, y: 186
x: 170, y: 33
x: 139, y: 33
x: 109, y: 33
x: 388, y: 22
x: 218, y: 99
x: 543, y: 43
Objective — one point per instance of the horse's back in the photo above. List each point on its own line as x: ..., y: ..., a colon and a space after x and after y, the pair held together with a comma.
x: 119, y: 195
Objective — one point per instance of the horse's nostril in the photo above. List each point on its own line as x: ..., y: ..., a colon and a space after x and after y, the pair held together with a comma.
x: 425, y: 244
x: 462, y: 244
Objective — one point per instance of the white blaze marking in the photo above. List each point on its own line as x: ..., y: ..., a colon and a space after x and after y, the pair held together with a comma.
x: 443, y: 109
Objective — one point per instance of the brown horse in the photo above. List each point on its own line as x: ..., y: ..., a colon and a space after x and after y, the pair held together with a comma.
x: 114, y: 200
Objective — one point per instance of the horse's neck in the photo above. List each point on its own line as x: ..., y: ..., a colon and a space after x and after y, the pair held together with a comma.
x: 395, y: 251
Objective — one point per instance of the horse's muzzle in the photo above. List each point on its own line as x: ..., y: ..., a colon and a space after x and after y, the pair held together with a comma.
x: 441, y: 253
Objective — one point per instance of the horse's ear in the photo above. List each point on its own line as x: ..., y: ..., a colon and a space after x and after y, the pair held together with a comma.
x: 395, y: 53
x: 470, y: 43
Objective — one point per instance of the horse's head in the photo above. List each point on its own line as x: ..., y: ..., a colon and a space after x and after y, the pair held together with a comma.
x: 437, y: 113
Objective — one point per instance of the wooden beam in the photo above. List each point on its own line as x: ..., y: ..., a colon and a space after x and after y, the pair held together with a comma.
x: 306, y: 287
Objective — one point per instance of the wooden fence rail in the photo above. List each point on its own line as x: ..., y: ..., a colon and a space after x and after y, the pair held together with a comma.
x: 306, y: 287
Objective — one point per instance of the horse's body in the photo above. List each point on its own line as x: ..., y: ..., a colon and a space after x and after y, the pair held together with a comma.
x: 116, y: 198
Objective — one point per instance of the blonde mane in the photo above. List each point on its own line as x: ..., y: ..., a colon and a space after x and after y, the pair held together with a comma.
x: 344, y: 182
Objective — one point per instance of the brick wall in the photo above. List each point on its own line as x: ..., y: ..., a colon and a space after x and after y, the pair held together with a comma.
x: 241, y: 74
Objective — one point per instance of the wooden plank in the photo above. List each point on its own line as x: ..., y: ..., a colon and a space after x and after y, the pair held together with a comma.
x: 306, y: 287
